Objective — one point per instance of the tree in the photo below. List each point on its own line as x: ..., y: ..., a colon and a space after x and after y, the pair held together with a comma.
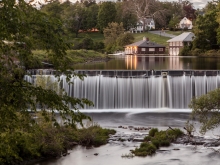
x: 174, y: 10
x: 218, y: 20
x: 90, y: 20
x: 111, y: 33
x: 206, y: 109
x: 107, y: 13
x: 21, y: 27
x: 148, y: 8
x: 53, y: 9
x: 125, y: 16
x: 73, y: 17
x: 173, y: 24
x: 125, y: 39
x: 189, y: 10
x: 205, y: 30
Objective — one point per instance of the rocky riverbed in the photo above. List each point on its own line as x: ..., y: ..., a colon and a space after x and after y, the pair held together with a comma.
x: 131, y: 130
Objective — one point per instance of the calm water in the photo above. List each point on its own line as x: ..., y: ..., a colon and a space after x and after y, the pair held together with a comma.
x: 129, y: 62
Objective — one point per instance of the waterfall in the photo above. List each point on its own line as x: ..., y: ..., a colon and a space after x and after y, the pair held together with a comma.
x: 112, y: 92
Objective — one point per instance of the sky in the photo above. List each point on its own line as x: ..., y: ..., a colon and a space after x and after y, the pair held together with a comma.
x: 196, y: 3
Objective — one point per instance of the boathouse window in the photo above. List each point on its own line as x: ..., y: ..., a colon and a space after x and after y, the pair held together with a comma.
x: 151, y: 49
x: 143, y: 49
x: 160, y: 49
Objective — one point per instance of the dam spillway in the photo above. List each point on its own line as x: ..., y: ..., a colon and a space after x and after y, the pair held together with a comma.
x: 110, y: 89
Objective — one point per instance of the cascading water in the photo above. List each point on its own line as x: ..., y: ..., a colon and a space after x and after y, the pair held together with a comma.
x: 112, y: 92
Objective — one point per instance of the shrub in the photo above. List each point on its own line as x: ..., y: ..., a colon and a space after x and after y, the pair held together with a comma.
x: 196, y: 52
x: 158, y: 139
x: 94, y: 135
x: 147, y: 138
x: 156, y: 143
x: 153, y: 131
x: 185, y: 51
x: 145, y: 149
x: 211, y: 53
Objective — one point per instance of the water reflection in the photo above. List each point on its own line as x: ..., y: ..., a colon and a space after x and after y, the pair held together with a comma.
x: 153, y: 62
x: 134, y: 62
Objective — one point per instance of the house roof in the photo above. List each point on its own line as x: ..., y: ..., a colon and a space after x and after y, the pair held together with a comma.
x: 145, y: 43
x: 147, y: 21
x: 184, y: 37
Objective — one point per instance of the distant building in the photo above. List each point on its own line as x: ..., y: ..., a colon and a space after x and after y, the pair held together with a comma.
x: 149, y: 24
x: 185, y: 23
x: 144, y: 47
x: 178, y: 42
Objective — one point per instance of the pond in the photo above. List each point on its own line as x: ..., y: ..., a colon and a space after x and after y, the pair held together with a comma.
x: 130, y: 62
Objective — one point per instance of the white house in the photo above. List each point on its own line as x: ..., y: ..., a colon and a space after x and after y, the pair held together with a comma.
x: 178, y: 42
x: 185, y: 23
x: 149, y: 24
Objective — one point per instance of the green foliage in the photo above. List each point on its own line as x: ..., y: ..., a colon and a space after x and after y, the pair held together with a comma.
x: 21, y: 136
x: 128, y: 18
x: 106, y: 15
x: 90, y: 21
x: 185, y: 51
x: 205, y: 31
x: 173, y: 24
x: 94, y: 135
x: 147, y: 138
x: 157, y: 139
x: 206, y: 109
x: 125, y: 39
x: 111, y: 34
x: 196, y: 52
x: 73, y: 56
x: 152, y: 132
x: 145, y: 149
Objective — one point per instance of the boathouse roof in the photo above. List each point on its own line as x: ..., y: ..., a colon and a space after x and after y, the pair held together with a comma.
x: 184, y: 37
x: 145, y: 43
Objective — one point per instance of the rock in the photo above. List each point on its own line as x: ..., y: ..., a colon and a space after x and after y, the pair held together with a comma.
x: 136, y: 139
x: 176, y: 149
x: 96, y: 154
x: 130, y: 127
x: 212, y: 144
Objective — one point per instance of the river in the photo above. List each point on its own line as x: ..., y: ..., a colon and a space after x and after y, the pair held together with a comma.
x: 129, y: 62
x: 111, y: 154
x: 162, y: 118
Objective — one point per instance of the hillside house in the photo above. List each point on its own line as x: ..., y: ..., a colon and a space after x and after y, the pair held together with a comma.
x: 149, y: 24
x: 144, y: 47
x: 185, y: 24
x: 178, y: 42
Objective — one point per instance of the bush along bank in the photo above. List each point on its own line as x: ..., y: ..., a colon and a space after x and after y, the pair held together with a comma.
x: 155, y: 140
x: 46, y: 141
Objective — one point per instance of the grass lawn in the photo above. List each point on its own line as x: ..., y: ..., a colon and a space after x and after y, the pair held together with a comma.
x: 74, y: 56
x: 96, y: 36
x: 152, y: 37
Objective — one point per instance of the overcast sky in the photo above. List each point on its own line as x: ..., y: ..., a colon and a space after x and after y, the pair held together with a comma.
x: 196, y: 3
